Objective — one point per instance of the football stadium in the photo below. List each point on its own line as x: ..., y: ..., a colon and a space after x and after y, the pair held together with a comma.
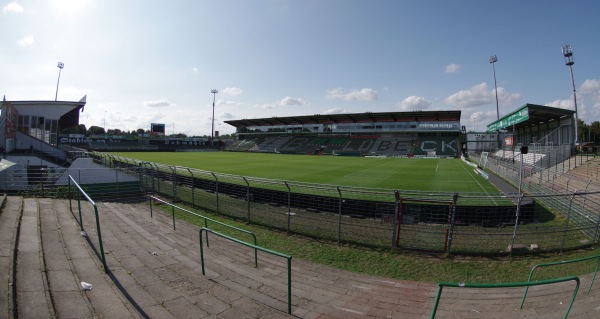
x: 165, y: 227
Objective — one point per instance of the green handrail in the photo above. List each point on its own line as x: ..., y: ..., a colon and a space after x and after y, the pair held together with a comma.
x: 206, y: 219
x: 506, y: 285
x: 288, y: 257
x: 81, y: 191
x: 562, y: 263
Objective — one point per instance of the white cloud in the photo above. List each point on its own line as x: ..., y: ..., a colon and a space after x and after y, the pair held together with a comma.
x: 412, y: 103
x: 479, y: 95
x: 12, y: 7
x: 452, y: 68
x: 195, y: 70
x: 290, y: 101
x: 590, y: 87
x: 26, y: 41
x: 478, y: 120
x: 159, y: 103
x: 335, y: 110
x: 70, y: 93
x: 562, y: 104
x: 228, y: 103
x: 364, y: 94
x: 506, y: 98
x: 226, y: 116
x: 233, y: 91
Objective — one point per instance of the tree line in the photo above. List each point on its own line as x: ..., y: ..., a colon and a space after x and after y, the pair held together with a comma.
x: 99, y: 131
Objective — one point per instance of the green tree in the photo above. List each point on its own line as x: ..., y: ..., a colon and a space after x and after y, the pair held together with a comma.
x: 114, y: 131
x: 595, y: 127
x: 96, y: 130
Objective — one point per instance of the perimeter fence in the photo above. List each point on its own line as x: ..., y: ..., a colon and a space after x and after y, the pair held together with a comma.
x: 457, y: 223
x: 453, y: 223
x: 570, y: 188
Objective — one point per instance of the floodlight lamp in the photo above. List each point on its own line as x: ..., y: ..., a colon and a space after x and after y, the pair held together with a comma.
x: 568, y: 54
x: 493, y: 59
x: 567, y: 50
x: 60, y: 65
x: 214, y: 91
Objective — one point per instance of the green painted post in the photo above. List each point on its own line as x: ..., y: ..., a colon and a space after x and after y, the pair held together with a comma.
x: 202, y: 250
x: 100, y: 238
x: 173, y: 211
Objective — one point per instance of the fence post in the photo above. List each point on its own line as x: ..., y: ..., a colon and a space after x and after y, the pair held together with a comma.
x: 512, y: 244
x: 192, y: 186
x: 174, y: 181
x: 340, y: 200
x: 247, y: 198
x: 216, y: 190
x: 289, y: 205
x: 117, y: 182
x: 452, y: 221
x: 585, y: 193
x: 567, y: 221
x: 396, y: 215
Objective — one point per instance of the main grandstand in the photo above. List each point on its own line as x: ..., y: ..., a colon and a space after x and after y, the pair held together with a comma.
x: 417, y: 133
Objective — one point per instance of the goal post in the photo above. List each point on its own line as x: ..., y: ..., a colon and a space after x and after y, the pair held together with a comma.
x: 483, y: 160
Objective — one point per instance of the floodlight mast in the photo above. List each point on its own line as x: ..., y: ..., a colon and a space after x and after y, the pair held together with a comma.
x: 567, y: 51
x: 212, y: 129
x: 493, y: 59
x: 60, y: 67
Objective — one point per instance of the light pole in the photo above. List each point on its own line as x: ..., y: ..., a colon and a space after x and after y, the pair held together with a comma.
x: 105, y: 133
x: 60, y: 67
x: 568, y: 54
x: 212, y: 128
x: 493, y: 59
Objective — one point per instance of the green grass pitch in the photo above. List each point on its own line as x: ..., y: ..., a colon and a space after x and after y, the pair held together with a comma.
x: 421, y: 174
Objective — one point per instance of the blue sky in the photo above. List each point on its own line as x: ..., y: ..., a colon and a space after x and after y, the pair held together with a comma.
x: 150, y: 61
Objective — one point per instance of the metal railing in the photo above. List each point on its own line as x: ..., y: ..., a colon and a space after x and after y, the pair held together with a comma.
x: 289, y: 259
x: 441, y: 285
x: 563, y: 263
x: 93, y: 204
x: 206, y: 219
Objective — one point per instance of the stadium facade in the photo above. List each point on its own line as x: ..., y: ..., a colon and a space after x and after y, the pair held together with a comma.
x: 417, y: 133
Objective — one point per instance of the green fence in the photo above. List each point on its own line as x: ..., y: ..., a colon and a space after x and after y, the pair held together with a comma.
x: 289, y: 258
x: 80, y: 192
x: 441, y: 285
x: 563, y: 263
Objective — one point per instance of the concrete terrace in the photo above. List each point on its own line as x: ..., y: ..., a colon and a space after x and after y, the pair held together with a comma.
x: 155, y: 272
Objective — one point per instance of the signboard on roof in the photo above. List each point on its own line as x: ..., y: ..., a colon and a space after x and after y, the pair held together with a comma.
x: 519, y: 116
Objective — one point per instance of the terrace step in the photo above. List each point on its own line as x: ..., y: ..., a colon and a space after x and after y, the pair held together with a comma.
x: 161, y: 267
x: 316, y: 289
x: 33, y: 298
x: 10, y: 217
x: 70, y: 259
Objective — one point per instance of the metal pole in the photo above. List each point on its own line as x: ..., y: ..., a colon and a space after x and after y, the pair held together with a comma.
x: 493, y: 60
x: 60, y: 67
x: 568, y: 54
x: 212, y: 128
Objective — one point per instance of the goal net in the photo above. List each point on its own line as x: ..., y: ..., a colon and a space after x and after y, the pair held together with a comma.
x: 483, y: 160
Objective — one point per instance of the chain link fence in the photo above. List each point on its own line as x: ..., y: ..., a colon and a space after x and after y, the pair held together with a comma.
x: 547, y: 216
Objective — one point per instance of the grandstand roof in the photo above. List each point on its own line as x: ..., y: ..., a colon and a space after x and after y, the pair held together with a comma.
x: 528, y: 115
x: 367, y: 117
